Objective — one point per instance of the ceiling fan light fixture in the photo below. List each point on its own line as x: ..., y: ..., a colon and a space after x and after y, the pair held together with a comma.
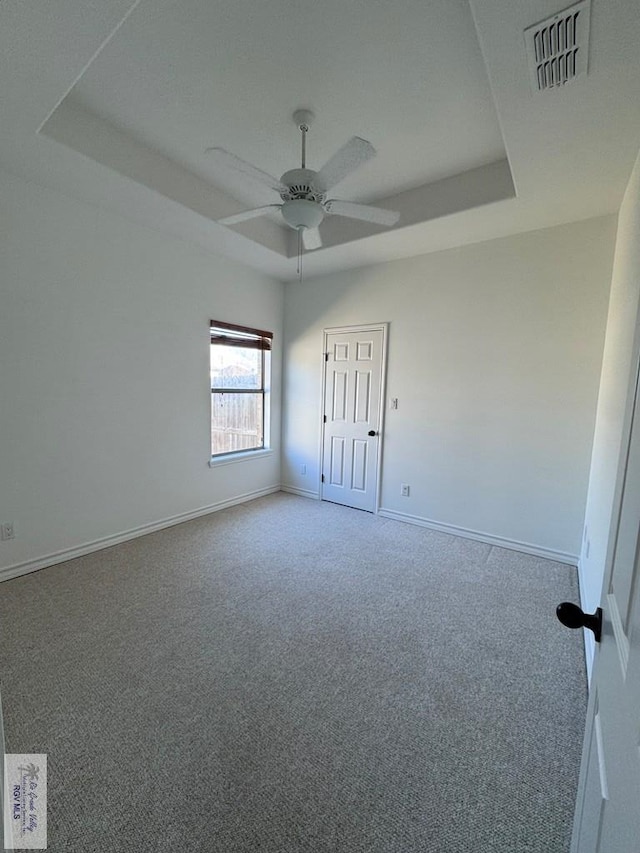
x: 300, y: 213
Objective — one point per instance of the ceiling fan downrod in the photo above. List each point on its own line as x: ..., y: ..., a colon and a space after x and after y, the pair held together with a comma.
x: 304, y: 129
x: 303, y: 119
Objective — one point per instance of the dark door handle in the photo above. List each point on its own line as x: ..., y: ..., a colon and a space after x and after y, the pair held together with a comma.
x: 372, y: 432
x: 572, y: 616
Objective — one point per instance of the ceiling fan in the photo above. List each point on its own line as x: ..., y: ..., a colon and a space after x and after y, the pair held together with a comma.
x: 304, y: 192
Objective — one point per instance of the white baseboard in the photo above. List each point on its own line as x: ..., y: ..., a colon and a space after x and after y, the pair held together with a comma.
x: 498, y: 541
x: 43, y: 562
x: 28, y: 566
x: 304, y: 493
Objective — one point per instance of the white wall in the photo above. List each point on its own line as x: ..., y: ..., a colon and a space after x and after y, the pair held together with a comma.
x: 494, y: 354
x: 104, y: 400
x: 619, y: 364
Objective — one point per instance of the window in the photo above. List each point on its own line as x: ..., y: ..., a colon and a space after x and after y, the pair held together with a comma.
x: 240, y: 367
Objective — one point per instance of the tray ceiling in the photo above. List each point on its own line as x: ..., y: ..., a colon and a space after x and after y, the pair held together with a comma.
x: 136, y: 93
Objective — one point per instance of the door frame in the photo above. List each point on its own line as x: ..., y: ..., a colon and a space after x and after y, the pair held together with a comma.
x: 365, y: 327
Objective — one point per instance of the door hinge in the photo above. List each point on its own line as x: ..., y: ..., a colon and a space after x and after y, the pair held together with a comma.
x: 324, y: 419
x: 322, y: 478
x: 326, y: 356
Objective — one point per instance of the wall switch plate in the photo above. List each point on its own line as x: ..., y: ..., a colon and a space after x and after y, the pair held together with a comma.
x: 7, y: 531
x: 404, y: 490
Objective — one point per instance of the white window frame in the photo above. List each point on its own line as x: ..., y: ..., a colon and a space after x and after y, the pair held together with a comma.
x: 261, y: 340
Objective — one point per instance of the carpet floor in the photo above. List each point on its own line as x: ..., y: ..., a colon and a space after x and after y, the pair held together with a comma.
x: 292, y: 676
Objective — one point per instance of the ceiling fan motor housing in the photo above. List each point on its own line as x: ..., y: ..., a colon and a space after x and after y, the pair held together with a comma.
x: 300, y: 183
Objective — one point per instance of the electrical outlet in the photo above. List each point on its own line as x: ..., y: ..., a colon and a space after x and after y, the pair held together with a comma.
x: 7, y: 531
x: 404, y: 490
x: 303, y: 469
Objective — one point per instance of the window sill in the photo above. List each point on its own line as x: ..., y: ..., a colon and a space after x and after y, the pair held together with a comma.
x: 230, y: 458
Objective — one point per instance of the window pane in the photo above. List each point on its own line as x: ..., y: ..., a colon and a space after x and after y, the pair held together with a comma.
x: 235, y: 367
x: 236, y: 422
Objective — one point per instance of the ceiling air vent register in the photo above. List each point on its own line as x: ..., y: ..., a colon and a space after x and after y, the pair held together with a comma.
x: 557, y: 48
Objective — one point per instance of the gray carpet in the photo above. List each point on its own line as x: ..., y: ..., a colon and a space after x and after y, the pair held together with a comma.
x: 289, y: 675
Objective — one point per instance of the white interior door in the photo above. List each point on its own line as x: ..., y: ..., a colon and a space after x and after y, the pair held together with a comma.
x: 354, y: 361
x: 607, y: 818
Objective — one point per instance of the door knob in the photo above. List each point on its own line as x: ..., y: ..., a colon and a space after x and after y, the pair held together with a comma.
x: 572, y: 616
x: 372, y: 432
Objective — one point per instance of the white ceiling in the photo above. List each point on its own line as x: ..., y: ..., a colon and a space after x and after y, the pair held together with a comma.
x: 116, y: 103
x: 187, y: 74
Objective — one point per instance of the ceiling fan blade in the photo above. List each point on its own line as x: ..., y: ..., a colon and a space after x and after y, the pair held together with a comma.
x: 311, y: 238
x: 347, y: 159
x: 379, y: 215
x: 247, y: 214
x: 224, y: 161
